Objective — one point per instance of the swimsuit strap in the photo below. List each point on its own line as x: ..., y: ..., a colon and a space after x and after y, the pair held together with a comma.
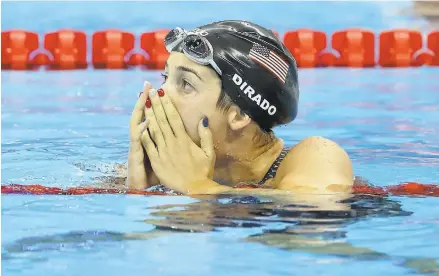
x: 273, y: 169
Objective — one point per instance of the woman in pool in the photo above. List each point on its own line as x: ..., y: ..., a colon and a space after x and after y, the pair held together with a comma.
x: 208, y: 128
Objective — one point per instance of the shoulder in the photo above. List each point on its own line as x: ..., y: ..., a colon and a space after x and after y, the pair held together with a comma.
x: 316, y: 161
x: 317, y: 147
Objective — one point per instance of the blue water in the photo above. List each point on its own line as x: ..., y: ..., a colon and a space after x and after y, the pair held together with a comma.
x: 65, y: 129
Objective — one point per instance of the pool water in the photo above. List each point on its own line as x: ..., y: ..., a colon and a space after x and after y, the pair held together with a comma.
x: 68, y: 129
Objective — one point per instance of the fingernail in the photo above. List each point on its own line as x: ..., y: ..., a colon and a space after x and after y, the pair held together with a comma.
x: 161, y: 92
x: 145, y: 84
x: 148, y: 103
x: 140, y: 94
x: 205, y: 122
x: 152, y: 92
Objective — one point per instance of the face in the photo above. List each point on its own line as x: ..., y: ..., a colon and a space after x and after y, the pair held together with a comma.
x: 194, y: 89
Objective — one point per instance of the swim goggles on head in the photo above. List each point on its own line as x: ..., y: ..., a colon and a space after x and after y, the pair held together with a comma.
x: 195, y: 47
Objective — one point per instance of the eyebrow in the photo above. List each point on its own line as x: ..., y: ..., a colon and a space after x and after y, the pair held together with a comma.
x: 186, y: 69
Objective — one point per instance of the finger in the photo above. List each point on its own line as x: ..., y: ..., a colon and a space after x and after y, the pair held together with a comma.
x: 160, y: 115
x: 172, y: 114
x: 143, y: 125
x: 153, y: 127
x: 149, y: 146
x: 138, y: 114
x: 140, y: 129
x: 206, y: 140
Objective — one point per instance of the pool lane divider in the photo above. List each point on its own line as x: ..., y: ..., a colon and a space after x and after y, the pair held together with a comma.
x: 403, y: 189
x: 110, y: 49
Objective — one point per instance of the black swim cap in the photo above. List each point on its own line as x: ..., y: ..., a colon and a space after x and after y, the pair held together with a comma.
x: 257, y: 71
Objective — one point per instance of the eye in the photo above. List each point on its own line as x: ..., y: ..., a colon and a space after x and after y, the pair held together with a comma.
x: 164, y: 77
x: 187, y: 86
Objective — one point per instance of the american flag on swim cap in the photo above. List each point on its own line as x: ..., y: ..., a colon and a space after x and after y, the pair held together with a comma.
x: 270, y: 61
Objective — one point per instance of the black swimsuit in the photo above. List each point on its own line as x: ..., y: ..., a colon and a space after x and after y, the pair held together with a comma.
x: 273, y: 169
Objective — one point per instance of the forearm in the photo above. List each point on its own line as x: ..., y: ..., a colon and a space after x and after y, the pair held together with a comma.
x: 136, y: 176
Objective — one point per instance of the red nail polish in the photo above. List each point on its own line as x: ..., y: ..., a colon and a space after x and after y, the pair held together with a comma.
x: 148, y: 103
x: 161, y: 92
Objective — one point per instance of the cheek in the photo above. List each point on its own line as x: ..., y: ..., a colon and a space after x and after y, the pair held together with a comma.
x: 218, y: 125
x: 187, y: 108
x: 192, y: 111
x: 190, y: 115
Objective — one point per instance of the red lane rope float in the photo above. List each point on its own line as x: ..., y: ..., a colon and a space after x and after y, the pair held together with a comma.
x: 404, y: 189
x: 67, y: 49
x: 36, y: 189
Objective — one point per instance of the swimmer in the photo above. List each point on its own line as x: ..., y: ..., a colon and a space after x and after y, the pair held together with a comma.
x: 208, y: 129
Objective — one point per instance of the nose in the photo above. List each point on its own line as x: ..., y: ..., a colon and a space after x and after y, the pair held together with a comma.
x: 171, y: 93
x: 167, y: 89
